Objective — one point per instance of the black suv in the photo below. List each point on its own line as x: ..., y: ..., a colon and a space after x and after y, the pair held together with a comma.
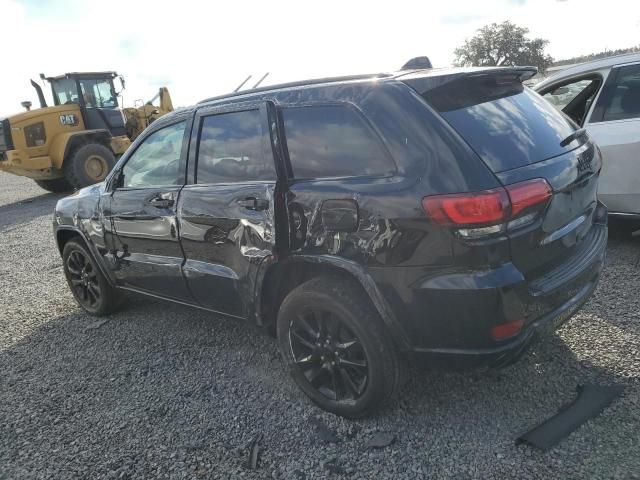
x: 449, y: 213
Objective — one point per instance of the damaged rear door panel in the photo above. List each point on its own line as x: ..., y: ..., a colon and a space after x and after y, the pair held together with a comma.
x: 227, y: 210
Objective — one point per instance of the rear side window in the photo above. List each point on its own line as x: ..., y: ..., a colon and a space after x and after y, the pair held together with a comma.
x: 230, y: 149
x: 508, y: 125
x: 333, y: 141
x: 625, y: 100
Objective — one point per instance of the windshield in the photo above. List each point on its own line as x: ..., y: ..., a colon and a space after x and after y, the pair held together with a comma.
x: 65, y: 91
x: 98, y: 93
x: 507, y: 124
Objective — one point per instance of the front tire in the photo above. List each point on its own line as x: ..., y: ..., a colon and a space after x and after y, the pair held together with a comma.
x: 337, y: 348
x: 87, y: 283
x: 89, y: 164
x: 57, y: 185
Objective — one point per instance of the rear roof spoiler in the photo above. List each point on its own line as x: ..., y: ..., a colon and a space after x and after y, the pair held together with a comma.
x: 424, y: 81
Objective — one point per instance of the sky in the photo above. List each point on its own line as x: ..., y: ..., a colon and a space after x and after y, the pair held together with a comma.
x: 200, y: 49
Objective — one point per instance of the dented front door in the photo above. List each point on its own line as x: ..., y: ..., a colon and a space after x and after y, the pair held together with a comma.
x: 226, y: 213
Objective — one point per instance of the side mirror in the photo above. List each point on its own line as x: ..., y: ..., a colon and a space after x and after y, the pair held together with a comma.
x: 121, y: 78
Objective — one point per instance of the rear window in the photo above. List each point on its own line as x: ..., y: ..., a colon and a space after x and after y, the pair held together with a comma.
x: 507, y: 124
x: 332, y: 141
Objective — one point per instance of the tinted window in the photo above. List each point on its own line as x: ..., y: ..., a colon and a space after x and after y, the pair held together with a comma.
x: 157, y: 160
x: 625, y: 100
x: 332, y: 141
x: 508, y: 125
x: 230, y: 149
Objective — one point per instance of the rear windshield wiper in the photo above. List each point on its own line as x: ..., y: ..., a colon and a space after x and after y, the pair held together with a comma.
x: 573, y: 136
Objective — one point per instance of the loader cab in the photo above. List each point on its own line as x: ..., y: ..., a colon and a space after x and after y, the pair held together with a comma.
x: 96, y: 96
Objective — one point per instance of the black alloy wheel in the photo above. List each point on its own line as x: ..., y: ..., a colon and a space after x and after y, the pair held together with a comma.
x: 89, y: 286
x: 337, y: 348
x: 330, y: 355
x: 83, y: 279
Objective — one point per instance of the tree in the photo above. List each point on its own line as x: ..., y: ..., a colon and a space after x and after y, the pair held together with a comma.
x: 503, y: 44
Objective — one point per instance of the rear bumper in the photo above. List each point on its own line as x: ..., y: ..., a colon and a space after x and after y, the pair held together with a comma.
x: 509, y: 352
x: 449, y: 316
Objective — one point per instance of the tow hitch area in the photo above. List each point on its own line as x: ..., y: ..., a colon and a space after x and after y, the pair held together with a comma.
x: 591, y: 400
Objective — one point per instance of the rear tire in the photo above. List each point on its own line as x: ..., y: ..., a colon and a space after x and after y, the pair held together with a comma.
x: 89, y: 164
x: 57, y: 185
x: 336, y: 347
x: 87, y: 283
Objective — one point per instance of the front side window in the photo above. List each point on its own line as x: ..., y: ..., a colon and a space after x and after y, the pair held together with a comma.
x: 157, y: 160
x: 230, y: 149
x: 624, y: 102
x: 65, y: 91
x: 560, y: 97
x: 332, y: 141
x: 575, y: 98
x: 98, y: 93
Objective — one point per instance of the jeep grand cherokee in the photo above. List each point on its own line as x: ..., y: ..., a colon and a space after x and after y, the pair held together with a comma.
x: 448, y: 213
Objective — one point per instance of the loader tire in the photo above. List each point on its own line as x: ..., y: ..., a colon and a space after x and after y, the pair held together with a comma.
x: 88, y: 164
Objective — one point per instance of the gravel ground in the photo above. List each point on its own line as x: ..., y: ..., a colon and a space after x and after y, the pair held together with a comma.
x: 160, y: 391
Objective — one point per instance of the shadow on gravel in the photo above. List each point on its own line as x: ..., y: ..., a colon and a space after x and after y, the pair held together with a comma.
x: 549, y: 369
x: 623, y: 229
x: 24, y: 211
x: 156, y: 385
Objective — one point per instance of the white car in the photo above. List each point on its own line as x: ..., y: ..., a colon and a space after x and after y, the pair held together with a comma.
x: 603, y: 96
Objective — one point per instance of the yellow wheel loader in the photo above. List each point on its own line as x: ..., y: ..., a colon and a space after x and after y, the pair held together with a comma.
x: 74, y: 143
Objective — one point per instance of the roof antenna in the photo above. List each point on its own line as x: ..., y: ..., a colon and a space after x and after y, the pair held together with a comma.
x: 242, y: 84
x: 260, y: 81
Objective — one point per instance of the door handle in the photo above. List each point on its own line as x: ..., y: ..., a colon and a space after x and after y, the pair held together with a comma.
x: 253, y: 203
x: 164, y: 200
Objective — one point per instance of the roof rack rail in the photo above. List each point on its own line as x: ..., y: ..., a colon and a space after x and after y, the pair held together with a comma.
x: 300, y: 83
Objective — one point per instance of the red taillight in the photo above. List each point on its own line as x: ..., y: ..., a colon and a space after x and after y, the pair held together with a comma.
x: 528, y: 194
x: 490, y: 206
x: 507, y: 330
